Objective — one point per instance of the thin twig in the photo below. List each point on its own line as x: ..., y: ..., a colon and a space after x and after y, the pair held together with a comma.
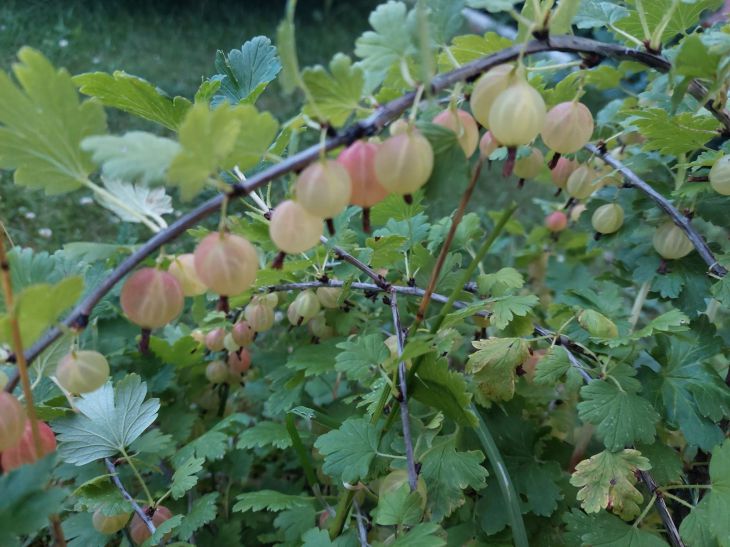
x: 360, y: 265
x: 403, y: 387
x: 362, y: 533
x: 127, y: 496
x: 634, y: 181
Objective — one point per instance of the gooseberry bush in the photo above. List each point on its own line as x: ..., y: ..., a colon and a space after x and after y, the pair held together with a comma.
x: 474, y: 292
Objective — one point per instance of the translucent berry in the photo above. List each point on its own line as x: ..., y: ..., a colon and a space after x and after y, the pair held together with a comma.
x: 329, y: 296
x: 229, y: 344
x: 517, y: 115
x: 720, y: 176
x: 215, y: 339
x: 269, y: 299
x: 109, y: 524
x: 486, y: 90
x: 568, y: 127
x: 82, y: 371
x: 671, y: 242
x: 183, y: 268
x: 488, y: 144
x: 403, y: 163
x: 12, y: 420
x: 398, y: 126
x: 138, y: 529
x: 226, y: 263
x: 562, y: 170
x: 303, y: 308
x: 293, y: 229
x: 323, y: 188
x: 151, y: 298
x: 243, y: 333
x: 556, y: 221
x: 318, y: 327
x: 359, y: 160
x: 529, y: 166
x: 608, y: 218
x: 582, y: 182
x: 216, y: 372
x: 462, y: 123
x: 239, y: 361
x: 24, y: 451
x: 259, y: 316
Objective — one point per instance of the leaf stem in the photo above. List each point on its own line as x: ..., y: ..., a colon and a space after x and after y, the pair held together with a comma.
x: 343, y: 509
x: 638, y: 304
x: 127, y: 496
x: 146, y: 490
x: 645, y: 511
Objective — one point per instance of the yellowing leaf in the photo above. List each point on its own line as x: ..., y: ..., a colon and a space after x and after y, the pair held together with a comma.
x: 42, y: 124
x: 334, y: 95
x: 494, y: 364
x: 258, y: 130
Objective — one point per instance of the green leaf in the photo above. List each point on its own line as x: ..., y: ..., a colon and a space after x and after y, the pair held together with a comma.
x: 470, y: 47
x: 100, y: 493
x: 673, y: 135
x: 269, y: 500
x: 334, y: 95
x: 505, y: 308
x: 597, y: 324
x: 606, y: 530
x: 244, y: 73
x: 399, y: 507
x: 26, y: 504
x: 386, y: 250
x: 719, y: 506
x: 599, y: 14
x: 437, y: 386
x: 264, y: 434
x: 422, y: 535
x: 607, y: 480
x: 185, y: 352
x: 38, y: 307
x: 258, y: 130
x: 43, y: 124
x: 321, y: 538
x: 694, y: 59
x: 314, y: 359
x: 552, y: 366
x: 721, y: 290
x: 696, y: 528
x: 294, y: 523
x: 286, y: 43
x: 202, y: 512
x: 185, y: 477
x: 500, y: 282
x: 494, y: 364
x: 361, y: 356
x: 163, y: 529
x: 136, y: 155
x: 208, y: 138
x: 447, y: 473
x: 666, y: 463
x: 109, y: 420
x: 78, y: 529
x: 349, y: 450
x: 134, y: 95
x: 211, y: 445
x: 621, y: 416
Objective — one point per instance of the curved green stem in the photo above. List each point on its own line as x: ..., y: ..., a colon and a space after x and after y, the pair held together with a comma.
x: 147, y: 493
x: 343, y: 509
x: 509, y: 495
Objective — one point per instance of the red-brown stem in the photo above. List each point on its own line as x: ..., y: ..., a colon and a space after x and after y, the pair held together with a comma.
x: 408, y: 198
x: 366, y: 220
x: 554, y: 161
x: 144, y: 341
x: 509, y: 163
x: 223, y: 304
x: 278, y: 262
x: 330, y: 226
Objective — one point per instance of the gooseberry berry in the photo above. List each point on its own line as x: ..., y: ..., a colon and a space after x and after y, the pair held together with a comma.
x: 720, y: 176
x: 359, y: 160
x: 293, y: 229
x: 582, y: 182
x: 671, y: 242
x: 568, y: 127
x: 24, y: 450
x: 529, y: 166
x: 259, y: 316
x: 239, y: 361
x: 242, y: 333
x: 3, y: 379
x: 226, y: 263
x: 12, y: 420
x: 109, y: 524
x: 462, y: 123
x: 488, y: 144
x: 183, y: 268
x: 303, y: 308
x: 270, y: 299
x: 215, y: 339
x: 486, y: 90
x: 151, y: 298
x: 562, y: 170
x: 323, y: 188
x: 403, y: 163
x: 138, y: 529
x: 216, y: 372
x: 517, y: 115
x: 398, y: 126
x: 318, y: 327
x: 82, y: 371
x: 556, y: 221
x: 329, y: 297
x: 608, y: 218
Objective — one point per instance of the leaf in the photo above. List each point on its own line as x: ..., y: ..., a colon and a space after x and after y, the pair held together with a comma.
x: 135, y: 156
x: 606, y: 530
x: 286, y: 43
x: 498, y: 283
x: 150, y: 202
x: 399, y: 507
x: 470, y: 47
x: 43, y: 124
x: 185, y: 352
x: 389, y: 41
x: 673, y: 135
x: 447, y: 473
x: 269, y: 500
x: 258, y: 130
x: 334, y: 95
x: 185, y: 477
x: 134, y: 95
x: 666, y: 462
x: 694, y: 60
x: 264, y: 434
x: 26, y: 504
x: 494, y: 6
x: 208, y: 138
x: 597, y: 324
x: 294, y: 523
x: 598, y: 14
x: 360, y: 357
x: 696, y: 528
x: 245, y: 73
x: 386, y: 249
x: 606, y: 480
x: 437, y: 386
x: 719, y: 506
x: 505, y: 308
x: 349, y: 450
x: 99, y: 493
x: 314, y: 359
x: 211, y: 445
x: 620, y: 415
x: 552, y: 366
x: 163, y: 529
x: 108, y: 421
x: 202, y: 512
x: 421, y: 535
x: 494, y: 364
x: 38, y: 307
x: 671, y: 321
x: 721, y: 290
x: 78, y: 529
